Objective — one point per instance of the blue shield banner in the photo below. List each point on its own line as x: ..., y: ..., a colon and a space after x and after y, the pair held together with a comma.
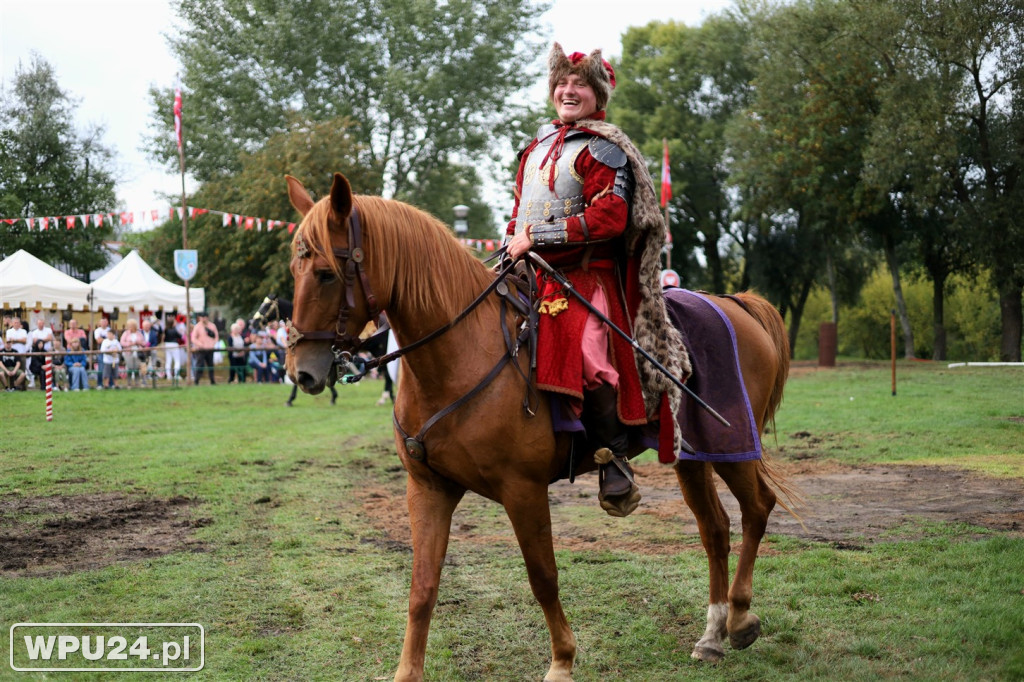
x: 186, y: 262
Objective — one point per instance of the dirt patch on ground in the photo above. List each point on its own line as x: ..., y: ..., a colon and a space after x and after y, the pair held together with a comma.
x: 846, y: 506
x: 64, y: 534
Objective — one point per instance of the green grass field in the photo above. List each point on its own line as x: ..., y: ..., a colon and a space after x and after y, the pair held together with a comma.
x: 293, y: 579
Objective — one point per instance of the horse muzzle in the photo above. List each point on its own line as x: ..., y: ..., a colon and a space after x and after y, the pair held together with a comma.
x: 313, y: 371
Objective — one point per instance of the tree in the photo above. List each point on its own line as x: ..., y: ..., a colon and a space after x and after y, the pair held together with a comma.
x: 238, y: 267
x: 796, y: 147
x: 683, y: 85
x: 785, y: 273
x: 978, y: 47
x: 422, y: 81
x: 47, y: 168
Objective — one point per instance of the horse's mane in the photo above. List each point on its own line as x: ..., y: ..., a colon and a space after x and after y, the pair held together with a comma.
x: 412, y: 254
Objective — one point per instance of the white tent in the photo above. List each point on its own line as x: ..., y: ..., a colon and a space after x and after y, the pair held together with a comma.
x: 27, y: 282
x: 133, y: 285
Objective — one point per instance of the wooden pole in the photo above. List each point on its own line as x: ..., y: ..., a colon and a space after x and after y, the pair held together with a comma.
x: 892, y: 344
x: 184, y: 245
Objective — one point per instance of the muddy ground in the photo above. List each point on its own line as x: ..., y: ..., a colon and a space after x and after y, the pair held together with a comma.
x: 64, y: 534
x: 847, y: 506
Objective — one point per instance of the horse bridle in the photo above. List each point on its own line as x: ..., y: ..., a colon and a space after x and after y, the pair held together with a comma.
x: 273, y: 311
x: 351, y: 259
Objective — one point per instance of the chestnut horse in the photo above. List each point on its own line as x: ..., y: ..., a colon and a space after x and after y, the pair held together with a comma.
x: 355, y: 255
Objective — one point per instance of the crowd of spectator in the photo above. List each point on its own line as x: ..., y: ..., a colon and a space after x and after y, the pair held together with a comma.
x: 138, y: 354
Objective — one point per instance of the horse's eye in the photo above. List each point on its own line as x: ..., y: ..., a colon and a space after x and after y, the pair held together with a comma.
x: 325, y: 276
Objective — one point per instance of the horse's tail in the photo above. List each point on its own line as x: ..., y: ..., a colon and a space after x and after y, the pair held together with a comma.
x: 770, y: 319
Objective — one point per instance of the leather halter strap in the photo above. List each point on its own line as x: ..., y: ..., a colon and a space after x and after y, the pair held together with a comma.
x: 352, y: 263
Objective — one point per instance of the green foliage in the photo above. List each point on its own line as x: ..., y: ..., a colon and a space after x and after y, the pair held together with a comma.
x: 423, y: 82
x: 48, y: 168
x: 683, y: 85
x: 239, y: 267
x: 971, y: 311
x: 446, y: 186
x: 403, y: 97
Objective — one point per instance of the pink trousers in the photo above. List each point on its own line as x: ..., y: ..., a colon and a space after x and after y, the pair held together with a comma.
x: 597, y: 353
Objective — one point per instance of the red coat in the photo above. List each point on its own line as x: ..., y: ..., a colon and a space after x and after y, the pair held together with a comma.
x: 559, y: 351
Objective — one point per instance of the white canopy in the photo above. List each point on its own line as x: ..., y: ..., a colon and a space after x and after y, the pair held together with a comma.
x: 27, y: 282
x: 132, y: 284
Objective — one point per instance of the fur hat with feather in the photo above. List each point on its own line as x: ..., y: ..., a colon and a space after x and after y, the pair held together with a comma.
x: 597, y: 72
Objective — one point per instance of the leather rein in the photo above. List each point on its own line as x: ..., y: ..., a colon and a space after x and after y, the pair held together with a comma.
x: 344, y: 344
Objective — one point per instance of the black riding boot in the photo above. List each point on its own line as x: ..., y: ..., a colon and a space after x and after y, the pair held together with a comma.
x: 619, y: 495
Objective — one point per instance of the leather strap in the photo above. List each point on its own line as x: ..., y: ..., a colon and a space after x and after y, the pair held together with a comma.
x: 352, y: 261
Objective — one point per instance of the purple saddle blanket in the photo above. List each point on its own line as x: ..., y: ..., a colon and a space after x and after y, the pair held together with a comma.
x: 711, y: 341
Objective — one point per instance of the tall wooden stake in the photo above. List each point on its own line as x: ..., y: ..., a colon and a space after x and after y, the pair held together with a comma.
x: 892, y: 343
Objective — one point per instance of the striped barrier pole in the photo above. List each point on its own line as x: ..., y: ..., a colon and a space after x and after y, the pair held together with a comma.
x: 49, y: 388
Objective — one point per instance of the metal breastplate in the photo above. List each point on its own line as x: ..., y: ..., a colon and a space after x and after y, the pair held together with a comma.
x: 537, y: 203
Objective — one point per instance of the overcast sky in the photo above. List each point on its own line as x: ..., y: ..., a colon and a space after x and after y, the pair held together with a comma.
x: 107, y: 53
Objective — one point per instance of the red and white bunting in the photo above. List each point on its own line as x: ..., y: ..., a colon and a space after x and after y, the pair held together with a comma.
x: 152, y: 217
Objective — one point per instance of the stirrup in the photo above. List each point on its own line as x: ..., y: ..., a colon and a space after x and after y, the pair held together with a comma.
x: 617, y: 505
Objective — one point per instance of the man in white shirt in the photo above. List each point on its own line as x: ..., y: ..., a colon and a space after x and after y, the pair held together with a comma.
x: 99, y: 334
x: 18, y: 336
x: 41, y: 333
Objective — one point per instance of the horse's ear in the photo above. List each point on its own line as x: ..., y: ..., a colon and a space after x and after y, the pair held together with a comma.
x: 298, y: 195
x: 341, y: 197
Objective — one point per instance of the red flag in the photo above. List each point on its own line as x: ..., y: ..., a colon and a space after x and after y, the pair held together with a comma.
x: 177, y: 115
x: 666, y: 178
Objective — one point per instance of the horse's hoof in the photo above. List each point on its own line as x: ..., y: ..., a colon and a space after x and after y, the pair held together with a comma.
x: 747, y: 636
x: 707, y: 654
x: 622, y: 505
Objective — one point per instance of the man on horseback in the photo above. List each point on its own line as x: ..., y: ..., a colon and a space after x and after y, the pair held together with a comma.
x: 586, y: 204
